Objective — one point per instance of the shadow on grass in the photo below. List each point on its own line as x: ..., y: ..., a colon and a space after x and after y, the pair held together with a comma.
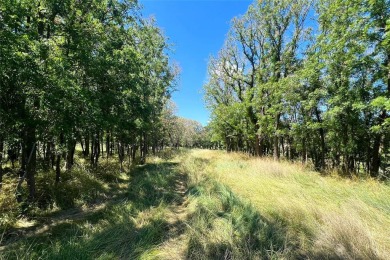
x: 225, y: 227
x: 133, y: 223
x: 155, y: 184
x: 130, y: 223
x: 119, y: 240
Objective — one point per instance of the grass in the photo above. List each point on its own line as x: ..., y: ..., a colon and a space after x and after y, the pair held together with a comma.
x: 201, y: 204
x: 324, y: 217
x: 101, y: 214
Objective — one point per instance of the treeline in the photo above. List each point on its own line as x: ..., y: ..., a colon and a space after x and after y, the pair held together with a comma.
x: 93, y: 73
x: 182, y: 132
x: 306, y: 79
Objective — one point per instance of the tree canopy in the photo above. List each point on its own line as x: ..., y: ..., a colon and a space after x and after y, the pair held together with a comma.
x: 306, y: 79
x: 83, y: 72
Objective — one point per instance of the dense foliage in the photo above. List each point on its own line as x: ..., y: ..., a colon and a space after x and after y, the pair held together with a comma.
x: 306, y: 79
x: 72, y: 72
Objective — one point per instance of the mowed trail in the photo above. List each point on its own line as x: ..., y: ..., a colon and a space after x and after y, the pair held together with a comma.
x: 203, y: 204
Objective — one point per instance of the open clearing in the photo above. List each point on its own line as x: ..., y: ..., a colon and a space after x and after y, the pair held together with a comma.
x: 202, y: 204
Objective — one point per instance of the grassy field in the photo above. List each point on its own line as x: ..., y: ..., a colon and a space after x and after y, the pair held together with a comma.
x: 202, y: 204
x: 320, y: 217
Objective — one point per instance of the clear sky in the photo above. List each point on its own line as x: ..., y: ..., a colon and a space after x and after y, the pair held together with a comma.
x: 197, y: 29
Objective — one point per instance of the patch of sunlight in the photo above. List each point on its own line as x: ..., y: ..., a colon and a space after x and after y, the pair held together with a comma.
x: 24, y: 223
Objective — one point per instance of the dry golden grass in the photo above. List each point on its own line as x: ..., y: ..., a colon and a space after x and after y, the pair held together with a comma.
x: 202, y: 204
x: 329, y: 217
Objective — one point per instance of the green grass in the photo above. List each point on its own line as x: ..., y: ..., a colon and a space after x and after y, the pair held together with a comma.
x: 323, y: 217
x: 225, y: 227
x: 200, y: 204
x: 101, y: 214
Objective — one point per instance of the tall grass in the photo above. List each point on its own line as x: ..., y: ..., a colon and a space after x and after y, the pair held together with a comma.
x: 225, y: 227
x: 201, y: 204
x: 102, y: 214
x: 326, y: 217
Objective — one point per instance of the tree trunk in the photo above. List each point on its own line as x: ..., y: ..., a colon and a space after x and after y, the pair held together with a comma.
x: 322, y: 136
x: 144, y: 147
x: 30, y: 146
x: 287, y: 147
x: 58, y: 160
x: 112, y: 144
x: 129, y: 155
x: 108, y: 147
x: 92, y: 150
x: 134, y: 149
x: 154, y: 146
x: 86, y: 145
x: 102, y: 144
x: 121, y: 154
x: 276, y: 139
x: 282, y: 145
x: 227, y: 143
x: 258, y: 148
x: 58, y: 168
x: 375, y: 163
x: 95, y: 149
x: 1, y: 161
x: 44, y: 148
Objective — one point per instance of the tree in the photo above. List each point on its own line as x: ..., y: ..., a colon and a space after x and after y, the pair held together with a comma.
x: 79, y: 71
x: 323, y: 97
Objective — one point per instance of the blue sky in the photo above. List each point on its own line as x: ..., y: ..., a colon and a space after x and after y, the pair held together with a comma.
x: 197, y: 29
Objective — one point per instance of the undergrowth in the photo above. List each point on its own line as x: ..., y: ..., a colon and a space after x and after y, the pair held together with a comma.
x: 199, y: 204
x: 102, y: 214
